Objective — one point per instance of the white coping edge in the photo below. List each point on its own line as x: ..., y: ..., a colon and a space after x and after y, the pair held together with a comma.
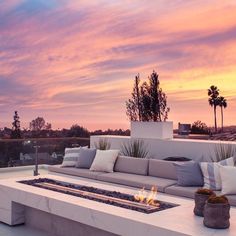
x: 22, y: 168
x: 210, y: 141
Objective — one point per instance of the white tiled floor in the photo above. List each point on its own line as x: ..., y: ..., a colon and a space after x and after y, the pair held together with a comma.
x: 21, y: 230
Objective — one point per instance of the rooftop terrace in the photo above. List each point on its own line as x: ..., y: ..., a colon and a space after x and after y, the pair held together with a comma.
x: 157, y: 148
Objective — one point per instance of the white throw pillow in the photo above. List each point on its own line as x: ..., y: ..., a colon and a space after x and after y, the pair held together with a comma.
x: 104, y: 160
x: 211, y: 172
x: 228, y: 177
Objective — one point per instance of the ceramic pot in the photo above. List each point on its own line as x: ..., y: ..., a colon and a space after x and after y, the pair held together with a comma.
x: 216, y: 215
x: 151, y: 129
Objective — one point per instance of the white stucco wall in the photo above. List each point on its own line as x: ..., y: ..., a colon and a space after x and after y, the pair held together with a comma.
x: 159, y: 149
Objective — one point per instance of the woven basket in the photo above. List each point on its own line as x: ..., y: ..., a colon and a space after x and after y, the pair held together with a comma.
x: 217, y: 215
x: 200, y: 200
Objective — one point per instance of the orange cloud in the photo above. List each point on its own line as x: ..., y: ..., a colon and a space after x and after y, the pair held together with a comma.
x: 75, y: 62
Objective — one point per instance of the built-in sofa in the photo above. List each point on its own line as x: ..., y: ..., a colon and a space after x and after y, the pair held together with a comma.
x: 139, y: 173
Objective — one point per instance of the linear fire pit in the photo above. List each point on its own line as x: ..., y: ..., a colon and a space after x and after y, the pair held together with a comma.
x: 109, y: 197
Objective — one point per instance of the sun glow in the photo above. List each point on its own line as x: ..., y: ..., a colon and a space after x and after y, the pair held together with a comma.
x: 79, y: 59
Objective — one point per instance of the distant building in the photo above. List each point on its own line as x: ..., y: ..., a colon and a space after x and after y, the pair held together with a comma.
x: 43, y: 158
x: 184, y: 129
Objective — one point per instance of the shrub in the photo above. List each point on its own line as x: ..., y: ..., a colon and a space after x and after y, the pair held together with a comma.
x: 198, y: 127
x: 218, y: 199
x: 134, y: 148
x: 103, y: 144
x: 223, y: 151
x: 205, y: 191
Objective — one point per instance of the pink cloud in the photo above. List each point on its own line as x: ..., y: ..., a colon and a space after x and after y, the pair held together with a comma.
x: 79, y: 59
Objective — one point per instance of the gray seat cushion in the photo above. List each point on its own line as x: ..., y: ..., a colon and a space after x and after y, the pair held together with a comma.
x: 86, y: 173
x: 162, y: 169
x: 131, y: 165
x: 161, y: 183
x: 137, y: 181
x: 182, y: 191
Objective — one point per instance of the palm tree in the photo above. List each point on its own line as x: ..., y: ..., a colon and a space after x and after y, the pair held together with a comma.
x: 223, y: 104
x: 213, y: 93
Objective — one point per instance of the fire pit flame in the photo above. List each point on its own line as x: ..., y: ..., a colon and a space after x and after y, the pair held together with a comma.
x: 145, y: 202
x: 149, y: 199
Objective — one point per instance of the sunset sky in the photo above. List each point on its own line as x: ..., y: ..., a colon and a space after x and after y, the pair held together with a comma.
x: 73, y: 61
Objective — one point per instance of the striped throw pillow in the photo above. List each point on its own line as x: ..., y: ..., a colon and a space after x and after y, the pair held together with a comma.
x: 71, y: 156
x: 211, y: 173
x: 70, y: 159
x: 74, y: 150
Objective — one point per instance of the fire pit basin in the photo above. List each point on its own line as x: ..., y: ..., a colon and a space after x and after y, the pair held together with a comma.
x: 114, y: 198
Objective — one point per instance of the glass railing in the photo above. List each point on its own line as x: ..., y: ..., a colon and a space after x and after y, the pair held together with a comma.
x: 22, y: 152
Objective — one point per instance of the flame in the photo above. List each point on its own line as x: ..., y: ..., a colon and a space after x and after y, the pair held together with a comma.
x: 141, y: 196
x: 144, y: 197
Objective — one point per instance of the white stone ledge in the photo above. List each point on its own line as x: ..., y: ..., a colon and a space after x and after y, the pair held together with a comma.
x: 175, y: 221
x: 22, y: 168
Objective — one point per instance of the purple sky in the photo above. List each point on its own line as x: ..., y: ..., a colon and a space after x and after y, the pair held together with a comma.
x: 75, y: 61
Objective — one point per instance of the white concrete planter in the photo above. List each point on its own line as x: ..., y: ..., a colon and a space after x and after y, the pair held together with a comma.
x: 156, y: 130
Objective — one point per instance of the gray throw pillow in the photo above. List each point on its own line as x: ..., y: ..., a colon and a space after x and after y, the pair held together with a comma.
x: 189, y: 174
x: 86, y: 157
